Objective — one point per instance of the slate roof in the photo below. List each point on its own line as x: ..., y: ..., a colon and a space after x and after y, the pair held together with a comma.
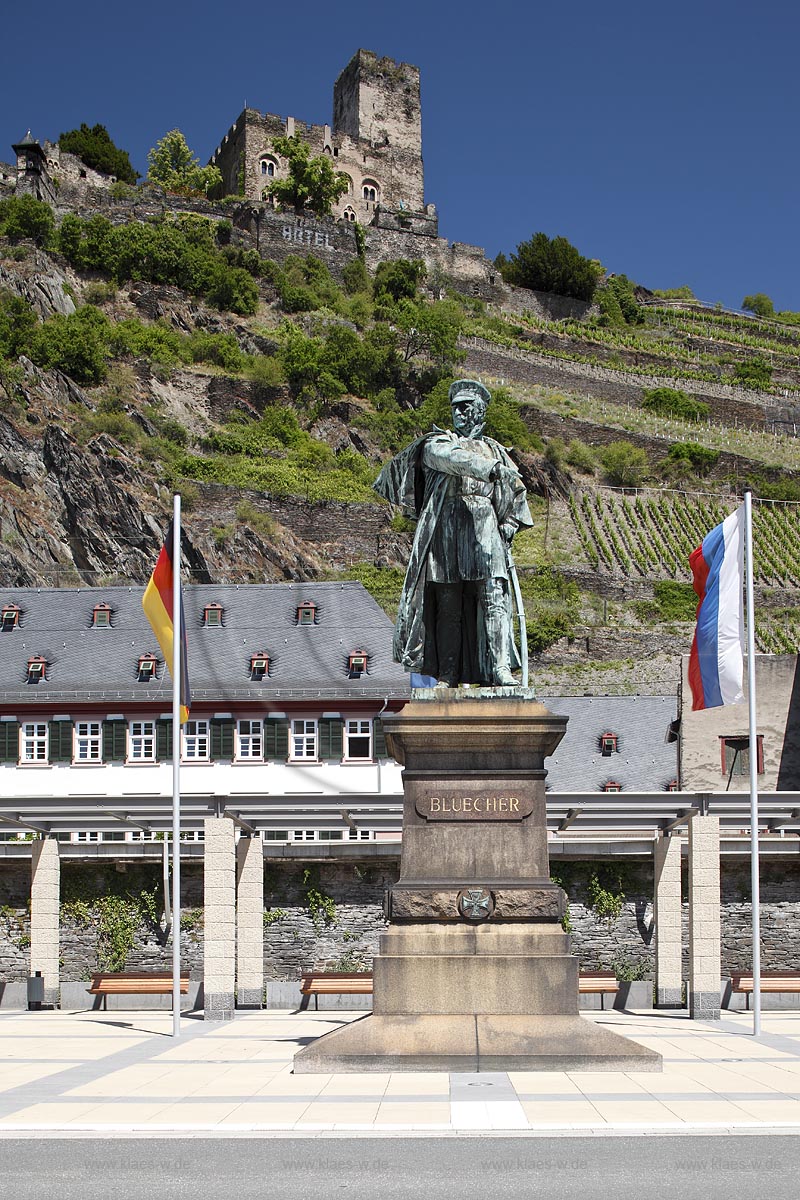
x: 89, y: 664
x: 645, y: 762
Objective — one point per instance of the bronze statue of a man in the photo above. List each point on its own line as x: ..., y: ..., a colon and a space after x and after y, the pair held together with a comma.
x: 455, y: 619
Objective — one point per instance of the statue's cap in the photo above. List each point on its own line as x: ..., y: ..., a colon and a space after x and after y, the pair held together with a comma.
x: 468, y: 389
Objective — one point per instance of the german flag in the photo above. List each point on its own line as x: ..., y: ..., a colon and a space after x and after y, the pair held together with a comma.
x: 157, y: 605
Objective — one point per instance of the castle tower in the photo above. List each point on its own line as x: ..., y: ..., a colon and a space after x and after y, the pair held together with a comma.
x: 377, y: 100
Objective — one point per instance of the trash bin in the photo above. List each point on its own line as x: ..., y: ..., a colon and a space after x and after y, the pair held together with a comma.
x: 35, y: 991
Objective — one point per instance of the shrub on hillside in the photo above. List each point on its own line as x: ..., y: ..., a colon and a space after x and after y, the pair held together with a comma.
x: 699, y: 459
x: 625, y: 465
x: 671, y: 402
x: 754, y: 372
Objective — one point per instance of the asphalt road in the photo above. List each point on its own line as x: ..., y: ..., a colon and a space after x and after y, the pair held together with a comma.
x: 519, y: 1168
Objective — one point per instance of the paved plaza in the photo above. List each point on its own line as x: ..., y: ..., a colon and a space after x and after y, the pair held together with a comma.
x: 74, y: 1072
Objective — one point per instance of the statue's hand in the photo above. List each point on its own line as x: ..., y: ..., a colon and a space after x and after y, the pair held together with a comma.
x: 500, y: 472
x: 508, y: 529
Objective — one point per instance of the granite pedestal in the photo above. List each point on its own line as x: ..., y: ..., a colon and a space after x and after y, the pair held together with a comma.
x: 474, y: 971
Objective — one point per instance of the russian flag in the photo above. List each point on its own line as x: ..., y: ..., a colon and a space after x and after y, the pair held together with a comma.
x: 716, y: 664
x: 157, y: 605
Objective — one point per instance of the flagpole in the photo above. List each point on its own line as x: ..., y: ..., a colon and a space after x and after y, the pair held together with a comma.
x: 751, y: 697
x: 177, y: 637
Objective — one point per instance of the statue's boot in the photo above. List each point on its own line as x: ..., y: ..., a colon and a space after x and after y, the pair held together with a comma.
x: 499, y: 631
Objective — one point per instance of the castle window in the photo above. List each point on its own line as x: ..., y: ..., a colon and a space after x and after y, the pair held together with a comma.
x: 259, y: 666
x: 10, y: 617
x: 357, y: 664
x: 306, y: 613
x: 101, y: 616
x: 37, y: 669
x: 611, y: 786
x: 147, y: 669
x: 212, y: 616
x: 608, y: 744
x: 267, y: 167
x: 349, y: 214
x: 370, y: 192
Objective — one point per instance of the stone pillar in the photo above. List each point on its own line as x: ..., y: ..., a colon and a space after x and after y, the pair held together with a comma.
x: 704, y: 932
x: 219, y: 954
x: 250, y: 922
x: 667, y: 913
x: 45, y: 889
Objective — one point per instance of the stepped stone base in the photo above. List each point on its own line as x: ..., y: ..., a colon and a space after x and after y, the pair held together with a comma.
x: 474, y: 1043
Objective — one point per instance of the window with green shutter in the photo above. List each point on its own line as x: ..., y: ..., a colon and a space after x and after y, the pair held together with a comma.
x: 163, y: 740
x: 221, y: 740
x: 330, y: 739
x: 9, y: 741
x: 60, y: 741
x: 114, y: 741
x: 379, y: 741
x: 276, y: 740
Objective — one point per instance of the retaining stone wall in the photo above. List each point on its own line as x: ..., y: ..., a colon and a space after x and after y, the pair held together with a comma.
x: 293, y: 943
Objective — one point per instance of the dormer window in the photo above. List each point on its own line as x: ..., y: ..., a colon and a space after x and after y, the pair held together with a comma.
x: 259, y: 666
x: 212, y: 616
x: 608, y: 744
x: 612, y: 786
x: 307, y: 613
x: 101, y: 616
x: 10, y: 617
x: 357, y: 663
x: 148, y: 668
x: 37, y: 669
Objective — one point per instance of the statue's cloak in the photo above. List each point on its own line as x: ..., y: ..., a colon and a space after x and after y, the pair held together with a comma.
x: 421, y: 494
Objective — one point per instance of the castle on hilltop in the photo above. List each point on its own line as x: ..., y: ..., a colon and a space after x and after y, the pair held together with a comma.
x: 375, y: 141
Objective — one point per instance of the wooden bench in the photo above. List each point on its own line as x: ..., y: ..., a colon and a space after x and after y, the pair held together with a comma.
x: 771, y: 981
x: 132, y: 983
x: 332, y: 983
x: 603, y: 983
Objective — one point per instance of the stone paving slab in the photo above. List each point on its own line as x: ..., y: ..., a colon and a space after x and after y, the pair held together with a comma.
x: 122, y: 1073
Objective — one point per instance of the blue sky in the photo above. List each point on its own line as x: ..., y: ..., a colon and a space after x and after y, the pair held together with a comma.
x: 659, y: 138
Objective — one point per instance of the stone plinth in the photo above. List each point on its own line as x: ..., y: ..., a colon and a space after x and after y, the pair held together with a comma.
x: 474, y: 972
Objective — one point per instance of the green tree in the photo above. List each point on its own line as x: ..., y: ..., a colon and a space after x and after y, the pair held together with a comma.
x: 17, y: 323
x: 618, y: 303
x: 625, y: 465
x: 551, y: 265
x: 760, y: 304
x: 76, y: 345
x: 26, y: 217
x: 173, y: 165
x: 95, y: 147
x: 311, y: 183
x: 398, y: 280
x: 431, y: 329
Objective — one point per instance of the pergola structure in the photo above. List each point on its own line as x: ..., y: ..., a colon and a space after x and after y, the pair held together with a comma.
x: 579, y: 825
